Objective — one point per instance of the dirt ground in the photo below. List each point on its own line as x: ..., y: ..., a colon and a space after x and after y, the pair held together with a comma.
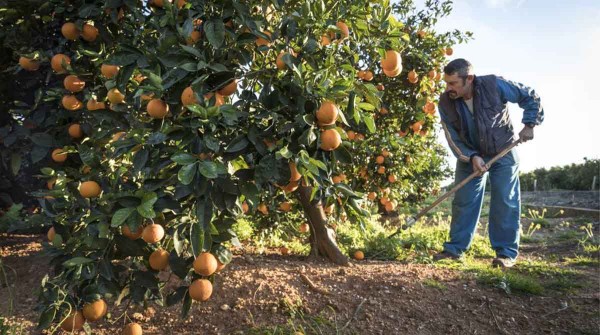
x: 371, y: 297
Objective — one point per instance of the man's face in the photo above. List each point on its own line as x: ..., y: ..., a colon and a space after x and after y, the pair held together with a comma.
x: 458, y: 87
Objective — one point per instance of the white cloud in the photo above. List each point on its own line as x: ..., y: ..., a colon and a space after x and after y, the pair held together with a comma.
x: 504, y: 4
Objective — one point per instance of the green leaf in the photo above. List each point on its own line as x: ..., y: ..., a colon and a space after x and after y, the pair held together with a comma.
x: 76, y: 261
x: 186, y: 173
x: 121, y: 216
x: 208, y: 169
x: 139, y: 160
x: 146, y: 208
x: 196, y: 238
x: 237, y: 144
x: 15, y: 163
x: 43, y: 139
x: 215, y: 32
x: 187, y: 304
x: 46, y: 318
x: 183, y: 158
x: 369, y: 122
x: 366, y: 106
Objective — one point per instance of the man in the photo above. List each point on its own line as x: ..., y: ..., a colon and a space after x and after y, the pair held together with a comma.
x: 476, y: 123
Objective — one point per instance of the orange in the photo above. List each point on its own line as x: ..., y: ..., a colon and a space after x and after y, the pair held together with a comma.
x: 304, y: 228
x: 330, y: 140
x: 392, y: 61
x: 200, y: 290
x: 194, y: 37
x: 372, y: 196
x: 351, y: 135
x: 58, y: 156
x: 153, y: 233
x: 220, y: 266
x: 89, y: 33
x: 279, y: 61
x: 109, y: 71
x: 380, y: 160
x: 229, y: 89
x: 383, y: 111
x: 28, y: 63
x: 205, y: 264
x: 285, y: 206
x: 389, y: 206
x: 325, y: 40
x: 327, y: 113
x: 73, y: 83
x: 90, y: 189
x: 338, y: 179
x: 412, y: 76
x: 345, y: 31
x: 51, y: 233
x: 359, y: 255
x: 381, y: 170
x: 159, y: 259
x: 432, y: 74
x: 70, y: 102
x: 93, y: 105
x: 115, y: 97
x: 245, y: 207
x: 284, y: 251
x: 75, y: 131
x: 118, y: 135
x: 156, y: 3
x: 219, y: 101
x: 392, y: 73
x: 402, y: 133
x: 385, y: 152
x: 380, y: 87
x: 94, y: 311
x: 261, y: 41
x: 132, y: 329
x: 416, y: 127
x: 157, y: 108
x: 294, y: 174
x: 429, y: 108
x: 291, y: 187
x: 50, y: 183
x: 449, y: 51
x: 368, y: 75
x: 70, y: 31
x: 188, y: 97
x: 73, y: 322
x: 263, y: 209
x: 129, y: 234
x: 438, y: 76
x: 421, y: 33
x: 57, y: 63
x: 391, y: 178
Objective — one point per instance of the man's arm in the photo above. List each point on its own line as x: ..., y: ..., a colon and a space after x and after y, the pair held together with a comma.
x: 527, y: 98
x: 460, y: 149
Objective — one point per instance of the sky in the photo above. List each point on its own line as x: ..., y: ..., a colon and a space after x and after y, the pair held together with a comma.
x: 551, y: 46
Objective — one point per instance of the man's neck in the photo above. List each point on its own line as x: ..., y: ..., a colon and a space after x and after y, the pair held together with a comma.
x: 469, y: 95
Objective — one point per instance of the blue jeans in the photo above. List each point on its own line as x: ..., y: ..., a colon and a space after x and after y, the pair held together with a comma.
x: 505, y: 207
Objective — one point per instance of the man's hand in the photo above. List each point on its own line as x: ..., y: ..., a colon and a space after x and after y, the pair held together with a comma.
x: 478, y: 164
x: 526, y: 134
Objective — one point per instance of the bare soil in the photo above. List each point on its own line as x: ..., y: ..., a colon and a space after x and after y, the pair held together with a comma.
x: 370, y: 297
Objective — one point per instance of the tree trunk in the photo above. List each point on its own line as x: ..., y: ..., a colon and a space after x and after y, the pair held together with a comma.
x: 322, y: 239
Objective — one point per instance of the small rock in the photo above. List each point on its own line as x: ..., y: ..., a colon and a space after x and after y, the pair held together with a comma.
x: 225, y: 307
x: 449, y: 306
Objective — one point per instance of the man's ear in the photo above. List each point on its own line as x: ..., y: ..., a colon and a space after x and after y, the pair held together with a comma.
x: 470, y: 78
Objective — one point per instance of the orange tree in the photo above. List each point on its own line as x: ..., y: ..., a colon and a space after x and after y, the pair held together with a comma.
x: 163, y: 123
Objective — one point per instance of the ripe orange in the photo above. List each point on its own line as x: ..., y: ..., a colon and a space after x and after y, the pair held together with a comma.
x: 70, y: 31
x: 75, y: 131
x: 115, y: 97
x: 132, y: 329
x: 245, y: 207
x: 391, y: 178
x: 109, y: 71
x: 73, y: 83
x: 205, y: 264
x: 220, y: 266
x: 93, y: 105
x: 157, y: 108
x: 327, y: 113
x: 429, y: 108
x: 325, y: 40
x: 284, y: 251
x: 432, y: 74
x: 58, y: 156
x: 368, y: 75
x: 118, y: 135
x: 392, y: 61
x: 89, y: 189
x: 159, y: 259
x: 372, y: 196
x: 261, y: 41
x: 51, y: 234
x: 194, y: 37
x: 57, y: 63
x: 389, y: 206
x: 291, y: 187
x: 229, y: 89
x: 379, y: 160
x: 345, y: 31
x: 383, y: 111
x: 330, y: 140
x: 438, y: 76
x: 200, y: 290
x: 412, y: 76
x: 28, y: 63
x: 449, y: 51
x: 351, y: 135
x: 263, y: 208
x: 188, y: 97
x: 338, y: 179
x: 89, y: 33
x: 381, y: 170
x: 416, y: 127
x: 156, y: 3
x: 153, y: 233
x: 285, y: 206
x: 219, y: 101
x: 73, y: 322
x: 392, y: 73
x: 94, y: 311
x: 402, y: 133
x: 380, y: 87
x: 359, y: 255
x: 304, y: 228
x: 294, y: 174
x: 70, y: 102
x: 385, y: 152
x: 129, y: 234
x: 421, y: 34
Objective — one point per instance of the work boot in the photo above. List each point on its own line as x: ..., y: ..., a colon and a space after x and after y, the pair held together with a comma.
x: 503, y: 262
x: 445, y: 255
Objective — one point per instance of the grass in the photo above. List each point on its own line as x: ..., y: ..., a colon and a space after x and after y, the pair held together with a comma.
x: 326, y: 322
x: 435, y: 284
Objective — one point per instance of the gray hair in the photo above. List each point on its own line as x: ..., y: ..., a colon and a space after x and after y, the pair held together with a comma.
x: 460, y: 66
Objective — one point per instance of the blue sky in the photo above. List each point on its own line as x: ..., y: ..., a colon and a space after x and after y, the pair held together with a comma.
x: 551, y: 46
